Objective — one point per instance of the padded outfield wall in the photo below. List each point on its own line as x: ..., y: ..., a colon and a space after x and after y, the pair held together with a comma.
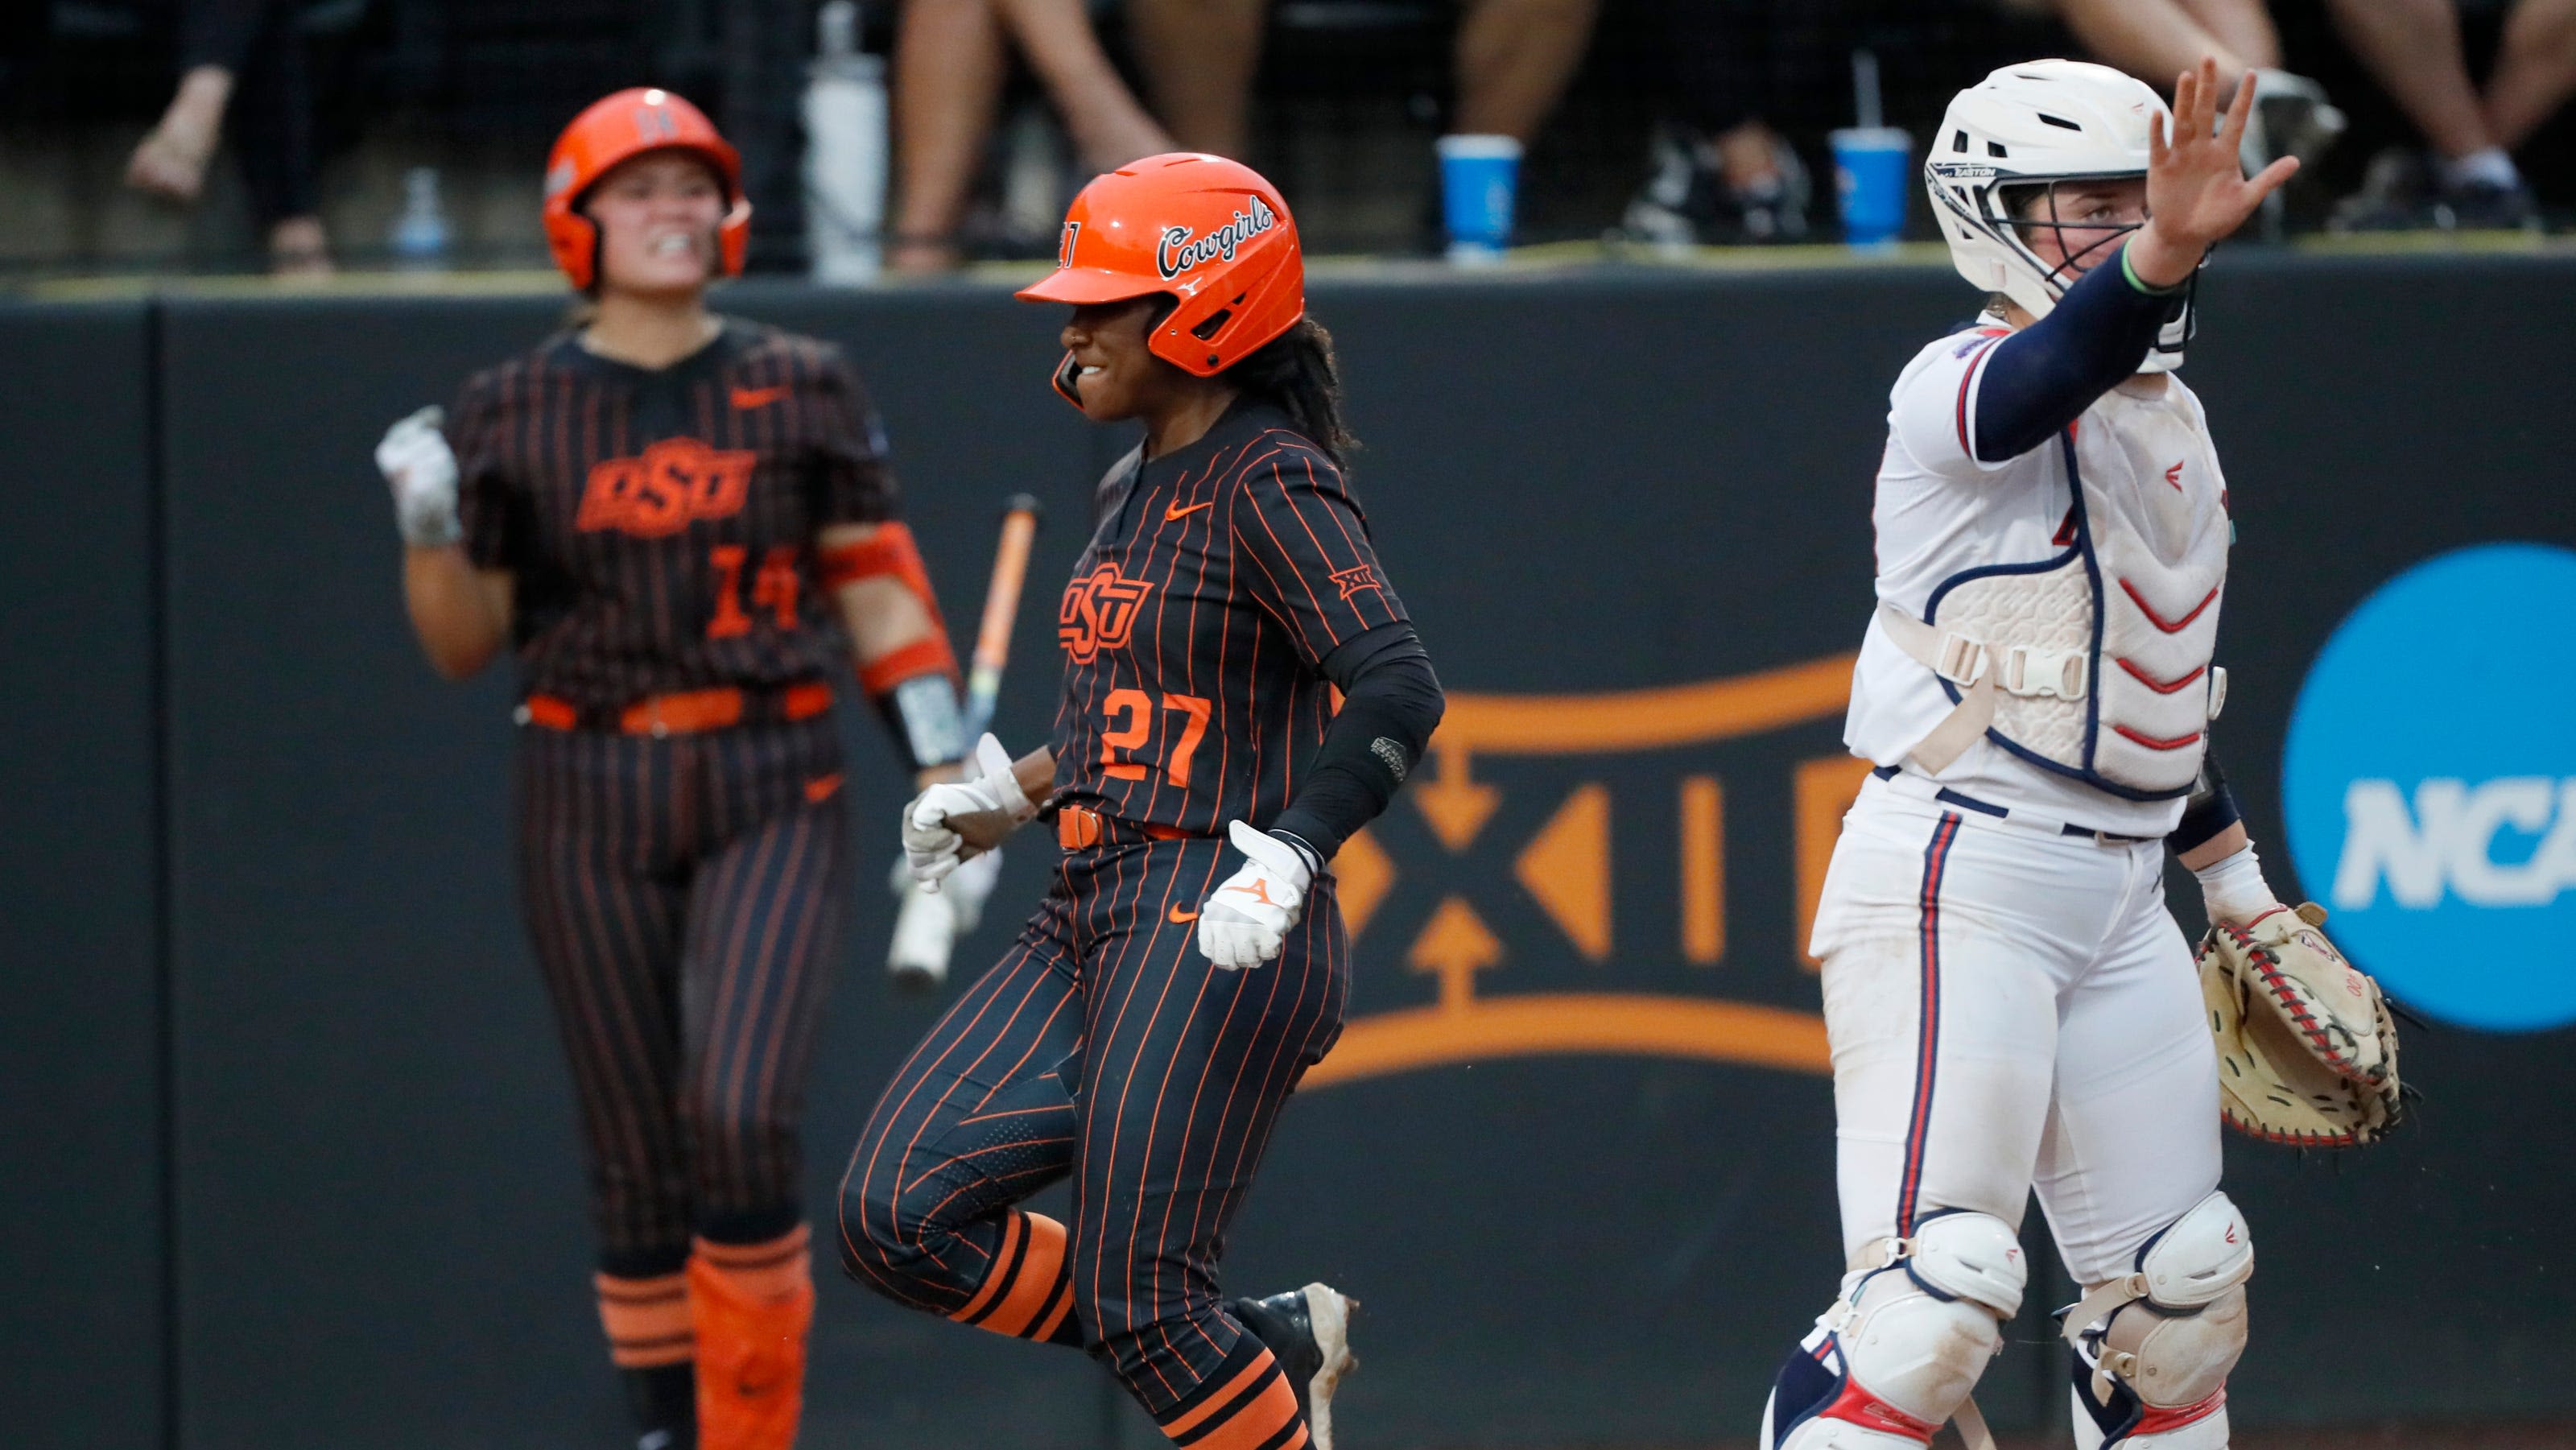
x: 287, y: 1156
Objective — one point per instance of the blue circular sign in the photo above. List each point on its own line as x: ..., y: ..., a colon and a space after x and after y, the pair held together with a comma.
x: 2429, y: 781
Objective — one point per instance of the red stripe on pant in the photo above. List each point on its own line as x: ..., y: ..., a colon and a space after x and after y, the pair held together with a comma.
x: 1927, y: 1051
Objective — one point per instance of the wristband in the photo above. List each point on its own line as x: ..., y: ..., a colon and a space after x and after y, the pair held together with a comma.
x: 921, y: 713
x: 2232, y: 888
x: 2130, y: 273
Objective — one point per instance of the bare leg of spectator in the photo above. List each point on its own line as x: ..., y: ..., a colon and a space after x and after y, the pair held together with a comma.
x: 171, y: 161
x: 1108, y: 126
x: 2412, y: 47
x: 2535, y: 70
x: 2244, y: 27
x: 1199, y: 56
x: 273, y: 138
x: 2155, y: 40
x: 1514, y: 60
x: 949, y: 64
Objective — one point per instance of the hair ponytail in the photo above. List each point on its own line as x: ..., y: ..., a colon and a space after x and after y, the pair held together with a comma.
x: 1295, y: 372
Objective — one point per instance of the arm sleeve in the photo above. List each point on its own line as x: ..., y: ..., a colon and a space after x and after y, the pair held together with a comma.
x: 1991, y: 394
x: 1302, y: 552
x: 852, y: 483
x: 490, y: 513
x: 2209, y: 809
x: 1391, y: 702
x: 2043, y: 377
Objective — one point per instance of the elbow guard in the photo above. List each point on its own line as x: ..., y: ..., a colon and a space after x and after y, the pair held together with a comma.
x: 914, y: 685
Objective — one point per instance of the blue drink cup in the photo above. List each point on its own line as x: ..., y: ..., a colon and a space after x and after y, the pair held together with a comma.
x: 1478, y: 177
x: 1872, y: 181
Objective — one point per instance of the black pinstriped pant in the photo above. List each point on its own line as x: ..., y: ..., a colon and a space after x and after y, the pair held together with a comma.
x: 1104, y: 1046
x: 687, y: 897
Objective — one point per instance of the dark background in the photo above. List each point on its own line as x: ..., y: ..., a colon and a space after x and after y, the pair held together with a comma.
x: 286, y: 1152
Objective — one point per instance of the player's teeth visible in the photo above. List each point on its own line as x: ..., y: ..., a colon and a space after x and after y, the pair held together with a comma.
x: 1086, y: 372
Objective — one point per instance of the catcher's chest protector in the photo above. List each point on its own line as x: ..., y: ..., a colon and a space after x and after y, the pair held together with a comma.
x: 2102, y: 651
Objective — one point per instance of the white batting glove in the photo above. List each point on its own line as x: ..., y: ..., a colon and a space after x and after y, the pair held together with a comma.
x: 931, y: 848
x: 1244, y: 921
x: 421, y: 468
x: 967, y: 885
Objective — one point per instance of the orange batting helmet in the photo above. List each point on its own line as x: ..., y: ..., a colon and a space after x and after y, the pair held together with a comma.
x: 617, y: 128
x: 1206, y: 230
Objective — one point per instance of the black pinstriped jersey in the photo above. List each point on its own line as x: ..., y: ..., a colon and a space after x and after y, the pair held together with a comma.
x: 1216, y: 579
x: 660, y: 524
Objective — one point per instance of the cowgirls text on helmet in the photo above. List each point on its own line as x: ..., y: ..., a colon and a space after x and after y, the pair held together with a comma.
x: 615, y: 129
x: 2023, y: 129
x: 1209, y: 232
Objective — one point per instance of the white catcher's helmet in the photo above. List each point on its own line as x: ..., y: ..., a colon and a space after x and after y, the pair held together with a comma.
x: 2029, y: 126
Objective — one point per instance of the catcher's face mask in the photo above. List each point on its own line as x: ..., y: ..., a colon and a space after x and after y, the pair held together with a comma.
x: 2074, y: 224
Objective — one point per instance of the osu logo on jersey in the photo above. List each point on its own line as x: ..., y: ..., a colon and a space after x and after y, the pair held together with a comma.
x: 670, y: 485
x: 1099, y: 612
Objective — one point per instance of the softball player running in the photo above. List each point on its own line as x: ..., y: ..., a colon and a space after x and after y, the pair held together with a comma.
x: 1189, y: 963
x: 2010, y: 1003
x: 684, y: 524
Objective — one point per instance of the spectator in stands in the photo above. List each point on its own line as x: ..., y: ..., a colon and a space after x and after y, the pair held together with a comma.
x: 951, y: 58
x: 1720, y: 171
x: 2413, y: 48
x: 1513, y: 61
x: 246, y: 50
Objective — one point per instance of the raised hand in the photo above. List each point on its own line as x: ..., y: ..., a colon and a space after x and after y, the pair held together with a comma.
x: 2197, y: 192
x: 421, y: 470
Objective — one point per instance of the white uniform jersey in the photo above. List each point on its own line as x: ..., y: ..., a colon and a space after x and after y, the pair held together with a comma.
x: 2153, y: 540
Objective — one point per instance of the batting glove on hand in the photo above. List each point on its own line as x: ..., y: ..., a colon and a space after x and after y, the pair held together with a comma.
x: 416, y: 461
x: 1244, y: 921
x: 966, y: 888
x: 955, y: 821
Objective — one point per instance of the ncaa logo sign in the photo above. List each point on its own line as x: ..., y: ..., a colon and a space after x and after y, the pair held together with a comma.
x: 2429, y: 782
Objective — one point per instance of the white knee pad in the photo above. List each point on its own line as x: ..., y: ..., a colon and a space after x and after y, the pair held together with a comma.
x: 1901, y: 1349
x: 2156, y: 1346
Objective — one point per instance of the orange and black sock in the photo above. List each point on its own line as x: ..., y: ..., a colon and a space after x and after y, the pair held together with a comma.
x: 751, y: 1305
x: 1028, y: 1292
x: 647, y: 1319
x: 651, y: 1342
x: 1247, y: 1404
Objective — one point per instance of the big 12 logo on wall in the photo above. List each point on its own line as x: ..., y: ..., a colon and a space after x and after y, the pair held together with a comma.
x: 2429, y: 781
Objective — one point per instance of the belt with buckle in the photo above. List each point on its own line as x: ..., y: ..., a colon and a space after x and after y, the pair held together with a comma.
x: 686, y: 712
x: 1922, y: 788
x: 1078, y: 828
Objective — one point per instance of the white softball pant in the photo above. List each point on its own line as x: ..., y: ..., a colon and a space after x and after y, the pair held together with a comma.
x: 2011, y: 1008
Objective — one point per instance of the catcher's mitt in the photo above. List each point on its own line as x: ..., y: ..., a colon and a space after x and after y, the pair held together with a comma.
x: 2307, y: 1053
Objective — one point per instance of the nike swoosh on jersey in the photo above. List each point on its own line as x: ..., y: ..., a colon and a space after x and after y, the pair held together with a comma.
x: 1178, y: 917
x: 746, y: 399
x: 1175, y: 511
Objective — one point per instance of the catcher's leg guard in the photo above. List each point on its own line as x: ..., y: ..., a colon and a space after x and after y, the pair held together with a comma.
x: 752, y: 1304
x: 2153, y: 1348
x: 1899, y: 1351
